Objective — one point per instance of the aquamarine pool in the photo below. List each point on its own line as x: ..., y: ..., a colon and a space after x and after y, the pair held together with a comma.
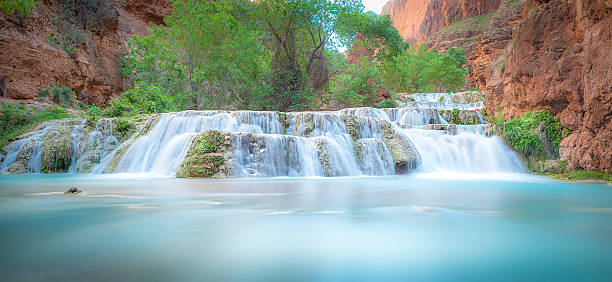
x: 423, y: 227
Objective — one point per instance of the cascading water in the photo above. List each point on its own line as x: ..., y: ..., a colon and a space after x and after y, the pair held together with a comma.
x: 348, y: 142
x: 28, y: 146
x: 468, y: 150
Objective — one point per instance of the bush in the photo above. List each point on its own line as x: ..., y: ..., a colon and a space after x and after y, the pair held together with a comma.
x: 15, y: 119
x: 524, y: 133
x: 357, y: 87
x: 60, y: 94
x: 145, y: 98
x: 387, y: 103
x: 23, y: 7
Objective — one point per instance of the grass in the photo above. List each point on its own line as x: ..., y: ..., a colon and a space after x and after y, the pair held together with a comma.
x: 474, y: 23
x: 583, y: 175
x: 16, y: 119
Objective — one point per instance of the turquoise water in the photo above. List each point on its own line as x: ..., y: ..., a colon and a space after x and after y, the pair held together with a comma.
x: 414, y: 228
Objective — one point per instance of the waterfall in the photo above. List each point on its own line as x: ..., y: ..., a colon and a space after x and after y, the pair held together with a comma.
x: 164, y: 148
x: 30, y: 146
x: 347, y: 142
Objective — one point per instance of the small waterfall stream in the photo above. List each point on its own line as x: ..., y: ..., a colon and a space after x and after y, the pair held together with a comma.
x: 348, y: 142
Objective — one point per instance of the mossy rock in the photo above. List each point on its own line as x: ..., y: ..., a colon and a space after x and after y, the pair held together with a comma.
x: 405, y: 156
x: 461, y: 116
x: 207, y: 156
x: 57, y: 148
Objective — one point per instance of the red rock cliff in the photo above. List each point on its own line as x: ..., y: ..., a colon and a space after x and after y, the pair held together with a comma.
x: 417, y: 19
x: 29, y: 62
x: 554, y: 55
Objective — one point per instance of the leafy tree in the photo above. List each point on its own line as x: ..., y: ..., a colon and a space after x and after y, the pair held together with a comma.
x: 300, y: 31
x: 206, y: 57
x: 380, y: 37
x: 423, y: 70
x: 358, y: 86
x: 458, y: 54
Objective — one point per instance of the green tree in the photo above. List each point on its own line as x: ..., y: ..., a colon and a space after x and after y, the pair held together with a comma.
x: 423, y: 70
x: 358, y: 86
x: 300, y: 31
x: 207, y: 55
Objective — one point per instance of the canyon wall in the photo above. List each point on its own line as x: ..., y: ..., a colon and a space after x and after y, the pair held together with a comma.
x: 531, y: 55
x: 554, y: 55
x: 416, y: 20
x: 80, y: 49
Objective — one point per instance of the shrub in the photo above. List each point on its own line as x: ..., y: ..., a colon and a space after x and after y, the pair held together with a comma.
x: 16, y: 119
x: 60, y: 94
x: 145, y: 98
x: 23, y: 7
x: 358, y: 86
x: 387, y: 103
x: 92, y: 14
x: 69, y: 38
x: 524, y: 133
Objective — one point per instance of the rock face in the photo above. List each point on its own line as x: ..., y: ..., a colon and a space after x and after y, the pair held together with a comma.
x: 553, y: 55
x: 33, y: 53
x: 418, y: 19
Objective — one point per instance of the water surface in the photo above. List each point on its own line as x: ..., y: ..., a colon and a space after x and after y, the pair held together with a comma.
x: 424, y: 227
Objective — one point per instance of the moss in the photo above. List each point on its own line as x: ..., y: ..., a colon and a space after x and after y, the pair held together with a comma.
x: 206, y: 156
x: 583, y: 175
x: 57, y: 148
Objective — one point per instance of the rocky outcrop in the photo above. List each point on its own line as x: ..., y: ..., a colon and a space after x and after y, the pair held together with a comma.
x: 79, y: 47
x: 416, y: 20
x: 556, y: 56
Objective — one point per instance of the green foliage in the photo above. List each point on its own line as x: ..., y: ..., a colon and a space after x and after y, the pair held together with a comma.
x: 458, y: 54
x: 474, y: 23
x: 455, y: 115
x: 584, y: 175
x: 379, y: 36
x: 60, y: 94
x: 525, y: 133
x: 387, y: 103
x: 209, y: 142
x: 23, y: 7
x: 206, y: 57
x: 145, y: 98
x: 123, y: 127
x: 358, y: 86
x: 423, y: 70
x: 15, y: 119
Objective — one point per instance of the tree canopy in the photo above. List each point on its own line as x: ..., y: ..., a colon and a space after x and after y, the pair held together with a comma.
x: 279, y: 55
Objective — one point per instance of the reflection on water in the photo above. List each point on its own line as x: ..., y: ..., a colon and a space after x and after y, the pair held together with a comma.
x: 418, y: 228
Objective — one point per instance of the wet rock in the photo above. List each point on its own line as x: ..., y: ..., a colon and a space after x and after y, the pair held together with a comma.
x: 450, y: 129
x: 73, y: 190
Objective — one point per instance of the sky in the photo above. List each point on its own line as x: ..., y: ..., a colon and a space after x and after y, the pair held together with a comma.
x: 374, y: 5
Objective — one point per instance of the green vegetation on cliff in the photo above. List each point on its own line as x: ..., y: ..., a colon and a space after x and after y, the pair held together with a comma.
x: 536, y: 136
x: 23, y: 7
x: 16, y: 119
x: 536, y: 133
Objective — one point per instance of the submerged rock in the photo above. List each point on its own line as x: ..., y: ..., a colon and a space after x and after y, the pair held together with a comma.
x: 73, y: 190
